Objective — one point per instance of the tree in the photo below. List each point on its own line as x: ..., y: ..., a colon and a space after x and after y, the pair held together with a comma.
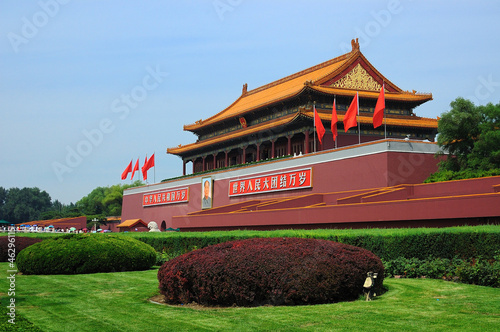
x: 3, y: 196
x: 485, y: 154
x: 103, y: 202
x: 458, y: 129
x: 471, y: 136
x: 24, y: 205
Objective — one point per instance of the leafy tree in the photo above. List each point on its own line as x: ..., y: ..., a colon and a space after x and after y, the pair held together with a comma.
x: 104, y: 201
x: 3, y: 196
x: 28, y: 204
x: 485, y: 154
x: 471, y: 136
x: 458, y: 129
x: 23, y: 205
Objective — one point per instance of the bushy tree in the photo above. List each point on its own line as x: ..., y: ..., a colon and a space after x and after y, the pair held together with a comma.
x: 60, y: 210
x: 485, y: 154
x: 470, y: 135
x: 458, y: 130
x: 22, y: 205
x: 104, y: 201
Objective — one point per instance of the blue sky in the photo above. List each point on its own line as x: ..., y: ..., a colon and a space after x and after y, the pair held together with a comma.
x: 87, y: 86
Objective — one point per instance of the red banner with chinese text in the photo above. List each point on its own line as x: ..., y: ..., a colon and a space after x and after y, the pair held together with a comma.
x: 270, y: 183
x: 170, y: 196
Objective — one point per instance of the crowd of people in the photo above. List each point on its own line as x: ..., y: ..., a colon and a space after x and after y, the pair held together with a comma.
x: 48, y: 229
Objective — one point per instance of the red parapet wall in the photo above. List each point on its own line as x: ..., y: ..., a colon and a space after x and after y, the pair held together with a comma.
x: 339, y: 174
x: 469, y: 202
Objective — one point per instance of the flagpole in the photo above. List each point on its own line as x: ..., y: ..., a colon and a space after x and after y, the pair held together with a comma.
x: 385, y: 126
x: 359, y: 126
x: 154, y: 168
x: 385, y: 119
x: 314, y: 122
x: 335, y: 105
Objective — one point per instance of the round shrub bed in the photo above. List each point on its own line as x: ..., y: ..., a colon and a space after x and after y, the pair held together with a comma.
x: 86, y: 253
x: 275, y: 271
x: 15, y: 244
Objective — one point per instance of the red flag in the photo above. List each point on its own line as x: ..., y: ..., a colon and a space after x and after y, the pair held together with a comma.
x: 350, y: 119
x: 127, y: 170
x: 136, y: 168
x: 151, y: 162
x: 334, y: 121
x: 319, y: 125
x: 378, y: 113
x: 148, y: 163
x: 144, y: 170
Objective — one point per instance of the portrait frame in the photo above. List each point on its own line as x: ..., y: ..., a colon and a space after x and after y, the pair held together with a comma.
x: 207, y: 189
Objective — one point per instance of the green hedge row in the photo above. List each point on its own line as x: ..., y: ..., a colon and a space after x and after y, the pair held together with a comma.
x: 388, y: 244
x: 468, y: 271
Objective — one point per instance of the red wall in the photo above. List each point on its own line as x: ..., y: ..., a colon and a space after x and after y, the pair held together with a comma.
x: 367, y: 171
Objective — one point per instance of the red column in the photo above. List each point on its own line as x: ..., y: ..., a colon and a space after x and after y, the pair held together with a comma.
x: 258, y: 152
x: 244, y: 155
x: 183, y: 167
x: 306, y: 142
x: 203, y: 163
x: 273, y: 154
x: 289, y: 147
x: 226, y: 160
x: 194, y: 164
x: 215, y: 161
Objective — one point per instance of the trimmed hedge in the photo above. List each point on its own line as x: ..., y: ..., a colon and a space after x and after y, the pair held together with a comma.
x: 86, y: 253
x: 15, y: 244
x: 463, y: 242
x: 471, y: 271
x: 275, y: 271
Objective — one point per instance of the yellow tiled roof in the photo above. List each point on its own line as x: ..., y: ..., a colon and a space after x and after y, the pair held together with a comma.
x: 399, y: 121
x: 276, y: 91
x: 312, y: 78
x: 401, y: 96
x: 132, y: 223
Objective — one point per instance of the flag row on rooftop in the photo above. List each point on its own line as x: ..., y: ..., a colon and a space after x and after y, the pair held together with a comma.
x: 350, y: 117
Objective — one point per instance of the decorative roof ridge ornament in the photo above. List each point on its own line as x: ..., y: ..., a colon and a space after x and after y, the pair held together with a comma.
x: 355, y: 45
x: 416, y: 93
x: 245, y: 89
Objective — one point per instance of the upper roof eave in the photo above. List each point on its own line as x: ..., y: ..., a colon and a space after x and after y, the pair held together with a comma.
x: 402, y: 96
x: 412, y: 121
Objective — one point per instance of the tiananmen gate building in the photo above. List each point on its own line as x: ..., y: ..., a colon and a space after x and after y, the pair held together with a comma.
x: 258, y: 164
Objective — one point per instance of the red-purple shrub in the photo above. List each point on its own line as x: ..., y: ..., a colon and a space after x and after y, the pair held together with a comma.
x: 16, y: 245
x: 276, y: 271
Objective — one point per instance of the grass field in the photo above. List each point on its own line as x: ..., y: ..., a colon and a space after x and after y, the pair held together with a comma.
x: 119, y: 302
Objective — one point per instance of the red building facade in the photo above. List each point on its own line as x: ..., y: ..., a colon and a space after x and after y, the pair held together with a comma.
x: 379, y: 164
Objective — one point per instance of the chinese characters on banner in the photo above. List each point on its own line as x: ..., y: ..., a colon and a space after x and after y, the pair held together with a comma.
x: 269, y: 183
x: 170, y: 196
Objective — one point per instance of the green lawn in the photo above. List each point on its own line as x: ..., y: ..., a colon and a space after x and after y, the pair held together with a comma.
x: 119, y: 302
